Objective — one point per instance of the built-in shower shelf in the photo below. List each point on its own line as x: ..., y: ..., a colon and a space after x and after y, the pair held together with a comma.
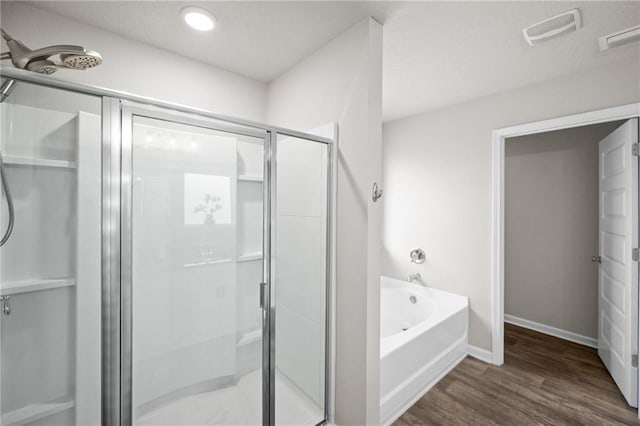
x: 249, y: 257
x: 250, y: 337
x: 208, y: 262
x: 249, y: 178
x: 26, y: 286
x: 38, y: 162
x: 34, y: 412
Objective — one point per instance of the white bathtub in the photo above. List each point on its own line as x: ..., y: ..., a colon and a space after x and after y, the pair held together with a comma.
x: 419, y: 342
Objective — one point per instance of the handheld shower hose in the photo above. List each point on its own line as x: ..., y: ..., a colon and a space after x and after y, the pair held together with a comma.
x: 7, y: 193
x: 6, y: 88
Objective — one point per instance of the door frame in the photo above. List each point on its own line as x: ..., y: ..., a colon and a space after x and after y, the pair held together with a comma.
x: 498, y: 137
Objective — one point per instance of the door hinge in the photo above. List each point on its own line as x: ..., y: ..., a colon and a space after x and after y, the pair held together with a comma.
x: 635, y: 149
x: 635, y: 254
x: 634, y: 360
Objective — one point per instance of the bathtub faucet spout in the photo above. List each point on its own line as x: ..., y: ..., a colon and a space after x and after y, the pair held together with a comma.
x: 414, y: 278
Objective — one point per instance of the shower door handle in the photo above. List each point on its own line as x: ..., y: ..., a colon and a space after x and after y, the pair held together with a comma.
x: 263, y: 287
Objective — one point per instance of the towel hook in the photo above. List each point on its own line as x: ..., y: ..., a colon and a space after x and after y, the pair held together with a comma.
x: 376, y: 193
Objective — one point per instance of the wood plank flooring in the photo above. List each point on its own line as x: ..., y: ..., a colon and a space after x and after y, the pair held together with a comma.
x: 544, y: 381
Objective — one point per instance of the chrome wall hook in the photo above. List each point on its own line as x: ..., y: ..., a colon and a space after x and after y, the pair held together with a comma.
x: 376, y: 192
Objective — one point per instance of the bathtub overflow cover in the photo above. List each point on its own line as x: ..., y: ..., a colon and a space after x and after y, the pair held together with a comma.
x: 413, y: 299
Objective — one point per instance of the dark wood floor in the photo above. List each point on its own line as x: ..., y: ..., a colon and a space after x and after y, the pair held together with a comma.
x: 544, y: 381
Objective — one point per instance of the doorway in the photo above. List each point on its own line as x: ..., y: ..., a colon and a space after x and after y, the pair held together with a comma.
x: 617, y: 323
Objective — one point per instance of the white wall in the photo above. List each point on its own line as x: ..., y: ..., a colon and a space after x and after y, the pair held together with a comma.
x: 551, y: 228
x: 342, y: 83
x: 437, y: 175
x: 135, y: 67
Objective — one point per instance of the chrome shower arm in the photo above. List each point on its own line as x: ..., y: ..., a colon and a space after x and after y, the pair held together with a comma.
x: 5, y: 36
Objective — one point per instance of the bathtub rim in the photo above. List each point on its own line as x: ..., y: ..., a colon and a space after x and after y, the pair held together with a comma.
x: 454, y: 304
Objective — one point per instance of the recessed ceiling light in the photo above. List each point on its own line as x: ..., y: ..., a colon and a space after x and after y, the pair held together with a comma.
x: 198, y: 18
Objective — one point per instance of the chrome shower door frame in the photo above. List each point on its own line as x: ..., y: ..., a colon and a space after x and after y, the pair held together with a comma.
x: 120, y: 308
x: 111, y: 256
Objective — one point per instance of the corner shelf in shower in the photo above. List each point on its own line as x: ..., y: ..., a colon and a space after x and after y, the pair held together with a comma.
x: 249, y: 178
x: 250, y: 337
x: 38, y: 162
x: 248, y: 257
x: 18, y: 287
x: 34, y: 412
x: 208, y: 262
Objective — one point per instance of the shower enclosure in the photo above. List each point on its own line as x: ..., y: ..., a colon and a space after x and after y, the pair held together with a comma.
x: 166, y: 267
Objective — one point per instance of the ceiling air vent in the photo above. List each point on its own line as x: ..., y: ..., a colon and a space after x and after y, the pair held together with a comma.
x: 619, y: 38
x: 552, y: 27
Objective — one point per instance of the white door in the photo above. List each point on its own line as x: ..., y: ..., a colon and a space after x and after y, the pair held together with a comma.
x: 618, y: 274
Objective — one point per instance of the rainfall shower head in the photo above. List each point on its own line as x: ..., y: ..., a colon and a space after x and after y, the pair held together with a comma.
x: 49, y: 59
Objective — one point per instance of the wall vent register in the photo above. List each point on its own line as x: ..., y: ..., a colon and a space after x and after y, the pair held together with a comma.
x: 620, y: 38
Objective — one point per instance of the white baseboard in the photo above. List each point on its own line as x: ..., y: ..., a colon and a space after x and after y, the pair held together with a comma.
x: 481, y: 354
x: 552, y: 331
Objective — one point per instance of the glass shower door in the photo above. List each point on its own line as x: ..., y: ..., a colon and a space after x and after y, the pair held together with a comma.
x: 196, y: 211
x: 50, y: 267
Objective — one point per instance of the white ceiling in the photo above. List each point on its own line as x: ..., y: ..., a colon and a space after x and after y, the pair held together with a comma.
x: 441, y: 54
x: 435, y: 53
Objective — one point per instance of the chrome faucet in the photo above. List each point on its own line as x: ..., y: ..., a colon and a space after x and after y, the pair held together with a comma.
x: 414, y: 278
